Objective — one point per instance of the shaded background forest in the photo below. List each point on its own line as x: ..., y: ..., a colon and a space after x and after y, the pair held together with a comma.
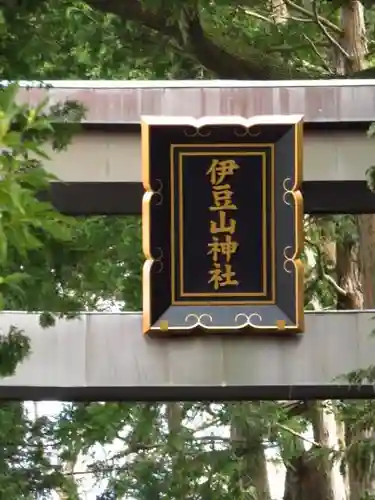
x: 179, y: 451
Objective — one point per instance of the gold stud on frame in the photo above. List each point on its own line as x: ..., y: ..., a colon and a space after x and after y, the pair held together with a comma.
x: 280, y: 323
x: 163, y: 325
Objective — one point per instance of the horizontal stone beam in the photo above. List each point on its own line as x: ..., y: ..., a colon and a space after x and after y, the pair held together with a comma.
x: 106, y: 357
x: 102, y: 170
x: 125, y: 198
x: 321, y: 101
x: 115, y: 156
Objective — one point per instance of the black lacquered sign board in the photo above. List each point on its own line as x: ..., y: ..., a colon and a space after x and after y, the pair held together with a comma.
x: 222, y: 225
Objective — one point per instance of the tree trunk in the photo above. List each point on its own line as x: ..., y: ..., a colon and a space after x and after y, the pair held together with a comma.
x: 353, y: 39
x: 357, y: 258
x: 327, y: 431
x: 174, y: 414
x: 248, y: 447
x: 361, y: 468
x: 70, y: 490
x: 305, y: 479
x: 348, y: 272
x: 356, y: 255
x: 279, y: 11
x: 314, y: 477
x: 311, y: 475
x: 366, y: 230
x: 174, y: 417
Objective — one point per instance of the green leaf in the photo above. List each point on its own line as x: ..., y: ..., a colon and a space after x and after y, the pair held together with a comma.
x: 12, y: 140
x: 4, y: 128
x: 8, y: 95
x: 15, y: 278
x: 3, y: 245
x: 15, y: 192
x: 46, y: 319
x: 57, y: 230
x: 27, y: 241
x: 371, y: 130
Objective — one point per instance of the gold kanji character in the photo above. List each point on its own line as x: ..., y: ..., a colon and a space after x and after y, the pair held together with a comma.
x: 222, y: 226
x: 222, y: 196
x: 222, y: 278
x: 220, y: 169
x: 226, y: 248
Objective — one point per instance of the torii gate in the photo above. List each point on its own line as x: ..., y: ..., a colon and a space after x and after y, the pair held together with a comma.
x: 106, y: 356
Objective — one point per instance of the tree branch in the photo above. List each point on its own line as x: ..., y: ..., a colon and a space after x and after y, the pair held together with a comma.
x: 319, y: 54
x: 256, y: 15
x: 335, y: 285
x: 299, y: 435
x: 325, y: 22
x: 216, y: 58
x: 190, y: 35
x: 326, y: 33
x: 292, y: 48
x: 132, y: 10
x: 263, y: 17
x: 321, y: 274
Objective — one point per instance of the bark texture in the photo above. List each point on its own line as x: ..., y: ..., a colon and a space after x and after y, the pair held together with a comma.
x: 356, y: 256
x: 248, y: 448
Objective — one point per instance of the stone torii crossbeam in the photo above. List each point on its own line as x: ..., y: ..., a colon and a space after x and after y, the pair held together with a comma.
x: 105, y: 356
